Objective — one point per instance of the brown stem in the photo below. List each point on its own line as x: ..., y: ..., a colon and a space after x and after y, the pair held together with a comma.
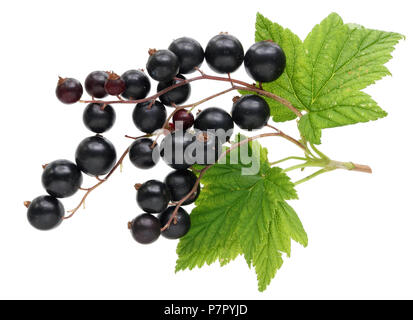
x: 130, y: 137
x: 283, y: 101
x: 180, y: 202
x: 193, y: 105
x: 361, y: 168
x: 242, y: 86
x: 350, y: 166
x: 287, y: 137
x: 101, y: 181
x: 27, y: 204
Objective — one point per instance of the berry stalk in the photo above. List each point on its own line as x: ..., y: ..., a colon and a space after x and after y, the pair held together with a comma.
x: 100, y: 181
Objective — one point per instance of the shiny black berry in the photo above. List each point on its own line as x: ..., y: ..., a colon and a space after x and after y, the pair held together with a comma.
x: 208, y: 148
x: 162, y: 65
x: 251, y: 112
x: 149, y: 117
x: 179, y: 227
x: 69, y: 90
x: 183, y: 120
x: 189, y: 52
x: 142, y: 154
x: 98, y: 119
x: 95, y: 84
x: 145, y: 228
x: 95, y: 156
x: 45, y: 213
x: 180, y: 183
x: 137, y: 85
x: 224, y: 53
x: 176, y: 96
x: 265, y: 61
x: 62, y: 178
x: 215, y: 119
x: 175, y: 149
x: 153, y: 196
x: 114, y: 85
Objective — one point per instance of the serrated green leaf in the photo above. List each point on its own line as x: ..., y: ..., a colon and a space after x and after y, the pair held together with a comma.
x: 335, y: 61
x: 309, y: 130
x: 284, y: 226
x: 268, y: 259
x: 290, y: 224
x: 234, y: 212
x: 345, y: 58
x: 346, y: 107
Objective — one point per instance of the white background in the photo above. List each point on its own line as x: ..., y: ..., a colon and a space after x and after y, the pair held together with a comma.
x: 359, y: 225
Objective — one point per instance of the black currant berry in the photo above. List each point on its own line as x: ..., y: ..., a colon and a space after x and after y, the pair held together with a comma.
x: 62, y: 178
x: 251, y: 112
x: 224, y: 53
x: 45, y: 213
x: 175, y: 230
x: 183, y: 120
x: 162, y: 65
x: 95, y: 156
x: 95, y: 84
x: 145, y: 228
x: 176, y: 96
x: 142, y: 154
x: 99, y: 120
x: 208, y: 148
x: 180, y: 183
x: 174, y: 149
x: 265, y: 61
x: 215, y: 119
x: 153, y: 196
x: 189, y: 52
x: 69, y: 90
x: 114, y: 85
x: 149, y: 117
x: 137, y: 85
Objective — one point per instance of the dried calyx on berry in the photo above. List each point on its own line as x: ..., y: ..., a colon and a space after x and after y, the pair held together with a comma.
x: 114, y: 84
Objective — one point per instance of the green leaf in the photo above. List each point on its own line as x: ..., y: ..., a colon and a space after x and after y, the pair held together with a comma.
x: 345, y: 58
x: 309, y: 130
x: 325, y: 73
x: 237, y: 214
x: 345, y: 107
x: 284, y: 226
x: 293, y: 85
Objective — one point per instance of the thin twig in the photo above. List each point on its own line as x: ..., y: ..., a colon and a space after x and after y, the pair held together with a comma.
x: 287, y: 137
x: 194, y: 105
x: 101, y: 181
x: 241, y: 86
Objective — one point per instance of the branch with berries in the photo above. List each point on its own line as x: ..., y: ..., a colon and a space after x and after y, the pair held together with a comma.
x: 201, y: 148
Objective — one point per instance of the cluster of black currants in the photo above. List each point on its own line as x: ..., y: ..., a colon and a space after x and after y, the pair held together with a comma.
x: 187, y: 141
